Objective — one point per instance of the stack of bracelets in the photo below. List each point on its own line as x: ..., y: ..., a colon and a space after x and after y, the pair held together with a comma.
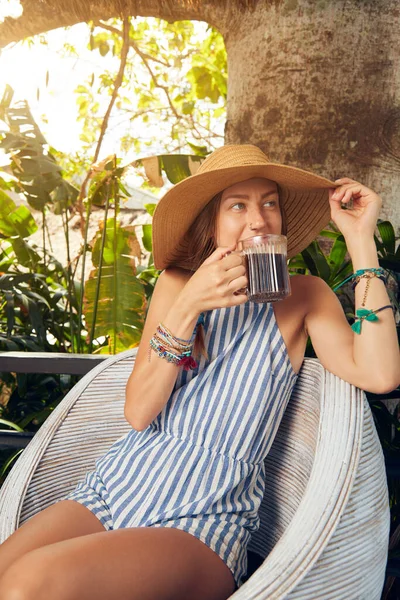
x: 172, y: 348
x: 364, y: 313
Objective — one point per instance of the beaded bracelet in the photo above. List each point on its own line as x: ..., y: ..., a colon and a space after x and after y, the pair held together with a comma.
x: 184, y: 359
x: 165, y: 337
x: 172, y: 348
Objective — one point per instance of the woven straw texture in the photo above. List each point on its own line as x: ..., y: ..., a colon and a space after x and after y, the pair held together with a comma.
x: 303, y: 194
x: 325, y: 513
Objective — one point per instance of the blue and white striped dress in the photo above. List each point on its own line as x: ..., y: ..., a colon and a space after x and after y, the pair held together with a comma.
x: 199, y: 465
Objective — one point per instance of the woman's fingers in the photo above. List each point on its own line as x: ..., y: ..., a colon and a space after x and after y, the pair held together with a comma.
x: 345, y: 180
x: 235, y: 273
x: 238, y: 284
x: 219, y: 253
x: 346, y: 193
x: 233, y: 259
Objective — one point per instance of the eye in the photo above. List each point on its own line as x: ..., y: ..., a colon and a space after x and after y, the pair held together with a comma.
x: 273, y: 202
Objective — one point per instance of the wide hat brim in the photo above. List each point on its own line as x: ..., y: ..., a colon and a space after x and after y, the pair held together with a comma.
x: 303, y: 195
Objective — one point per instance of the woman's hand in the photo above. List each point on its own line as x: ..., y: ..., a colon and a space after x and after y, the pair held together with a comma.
x: 360, y: 220
x: 217, y: 279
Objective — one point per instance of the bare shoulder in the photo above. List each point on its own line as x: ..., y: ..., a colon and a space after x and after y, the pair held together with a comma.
x: 304, y: 283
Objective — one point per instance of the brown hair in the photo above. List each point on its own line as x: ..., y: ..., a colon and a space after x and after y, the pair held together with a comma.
x: 198, y: 244
x: 199, y: 241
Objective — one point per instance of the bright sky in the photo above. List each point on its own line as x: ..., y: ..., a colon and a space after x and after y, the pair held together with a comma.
x: 24, y: 68
x: 10, y: 8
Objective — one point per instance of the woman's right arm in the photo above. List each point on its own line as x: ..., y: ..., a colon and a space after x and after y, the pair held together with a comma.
x: 151, y: 383
x: 177, y: 303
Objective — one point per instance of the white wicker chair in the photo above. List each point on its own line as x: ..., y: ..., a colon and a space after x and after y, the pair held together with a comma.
x: 325, y: 513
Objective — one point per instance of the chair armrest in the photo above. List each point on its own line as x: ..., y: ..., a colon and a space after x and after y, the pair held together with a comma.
x: 326, y: 494
x: 80, y: 429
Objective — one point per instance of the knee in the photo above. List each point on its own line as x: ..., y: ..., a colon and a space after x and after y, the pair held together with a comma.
x: 27, y: 579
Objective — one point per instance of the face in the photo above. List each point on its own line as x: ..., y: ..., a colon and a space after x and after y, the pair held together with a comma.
x: 254, y: 201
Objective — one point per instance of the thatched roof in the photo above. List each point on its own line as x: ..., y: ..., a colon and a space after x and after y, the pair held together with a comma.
x: 42, y: 15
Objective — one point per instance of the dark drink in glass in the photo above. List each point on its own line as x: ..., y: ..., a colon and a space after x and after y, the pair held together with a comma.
x: 265, y: 259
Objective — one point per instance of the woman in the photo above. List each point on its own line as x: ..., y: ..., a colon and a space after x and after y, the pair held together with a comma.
x: 169, y: 510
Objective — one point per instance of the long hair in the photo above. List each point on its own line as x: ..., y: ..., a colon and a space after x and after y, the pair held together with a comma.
x: 197, y: 245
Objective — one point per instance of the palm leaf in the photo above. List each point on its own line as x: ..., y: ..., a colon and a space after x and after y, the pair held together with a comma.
x: 15, y: 220
x: 176, y: 167
x: 121, y: 303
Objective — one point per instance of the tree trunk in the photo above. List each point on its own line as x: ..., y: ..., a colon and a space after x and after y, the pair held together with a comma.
x: 314, y: 83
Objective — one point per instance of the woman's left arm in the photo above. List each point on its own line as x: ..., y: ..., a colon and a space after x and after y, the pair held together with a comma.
x: 370, y: 359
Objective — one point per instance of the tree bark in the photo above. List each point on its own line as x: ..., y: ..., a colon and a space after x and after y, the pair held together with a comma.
x: 314, y: 83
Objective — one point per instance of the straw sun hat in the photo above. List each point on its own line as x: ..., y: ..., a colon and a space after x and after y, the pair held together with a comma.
x: 303, y: 195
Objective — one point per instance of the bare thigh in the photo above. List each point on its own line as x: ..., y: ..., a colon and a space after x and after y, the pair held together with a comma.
x: 61, y: 521
x: 129, y: 564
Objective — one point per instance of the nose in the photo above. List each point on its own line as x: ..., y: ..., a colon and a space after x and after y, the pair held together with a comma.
x: 256, y: 220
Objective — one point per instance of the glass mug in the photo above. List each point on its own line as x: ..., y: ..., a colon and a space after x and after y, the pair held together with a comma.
x: 265, y: 259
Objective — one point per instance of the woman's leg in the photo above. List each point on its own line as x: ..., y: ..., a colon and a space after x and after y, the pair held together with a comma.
x: 61, y: 521
x: 142, y: 563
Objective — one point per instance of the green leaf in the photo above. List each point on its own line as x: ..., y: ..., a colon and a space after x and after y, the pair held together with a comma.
x: 33, y: 166
x: 25, y: 254
x: 207, y: 83
x: 316, y: 261
x: 10, y: 424
x: 188, y: 107
x: 10, y: 311
x: 119, y: 308
x: 178, y: 167
x: 15, y: 220
x: 199, y: 150
x: 147, y: 240
x: 388, y: 236
x: 104, y: 48
x: 150, y: 208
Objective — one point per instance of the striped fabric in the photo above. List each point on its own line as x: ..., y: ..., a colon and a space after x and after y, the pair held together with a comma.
x: 199, y: 465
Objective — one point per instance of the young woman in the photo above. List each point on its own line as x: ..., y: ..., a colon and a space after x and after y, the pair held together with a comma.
x: 169, y: 510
